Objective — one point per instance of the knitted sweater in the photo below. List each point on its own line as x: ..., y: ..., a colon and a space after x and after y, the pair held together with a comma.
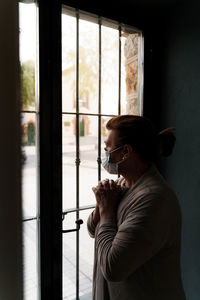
x: 137, y: 256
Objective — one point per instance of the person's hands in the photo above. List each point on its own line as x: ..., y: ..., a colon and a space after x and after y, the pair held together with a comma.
x: 107, y: 194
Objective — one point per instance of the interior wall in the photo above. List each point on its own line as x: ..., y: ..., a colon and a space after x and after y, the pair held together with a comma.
x: 10, y: 179
x: 180, y: 107
x: 171, y: 98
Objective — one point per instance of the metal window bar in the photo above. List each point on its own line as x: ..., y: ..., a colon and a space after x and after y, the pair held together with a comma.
x: 29, y: 219
x: 71, y: 210
x: 29, y: 111
x: 87, y: 114
x: 37, y: 108
x: 64, y: 213
x: 77, y: 150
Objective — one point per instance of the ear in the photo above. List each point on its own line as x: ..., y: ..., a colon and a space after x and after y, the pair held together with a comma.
x: 128, y: 150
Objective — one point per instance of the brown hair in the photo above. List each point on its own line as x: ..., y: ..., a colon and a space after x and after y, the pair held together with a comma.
x: 140, y: 133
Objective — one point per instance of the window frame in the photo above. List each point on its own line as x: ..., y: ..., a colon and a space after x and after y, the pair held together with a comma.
x: 50, y: 143
x: 50, y: 149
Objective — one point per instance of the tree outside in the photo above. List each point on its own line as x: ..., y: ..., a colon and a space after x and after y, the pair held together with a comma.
x: 28, y: 84
x: 28, y: 102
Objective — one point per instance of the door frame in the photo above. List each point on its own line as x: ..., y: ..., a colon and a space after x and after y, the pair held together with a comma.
x: 50, y: 93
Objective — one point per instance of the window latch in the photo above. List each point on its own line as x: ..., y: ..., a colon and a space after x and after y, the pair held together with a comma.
x: 78, y: 223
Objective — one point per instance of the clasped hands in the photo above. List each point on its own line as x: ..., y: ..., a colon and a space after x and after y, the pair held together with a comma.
x: 107, y: 195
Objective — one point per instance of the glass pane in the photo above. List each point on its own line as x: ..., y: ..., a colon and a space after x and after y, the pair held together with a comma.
x: 88, y: 66
x: 29, y: 164
x: 88, y: 156
x: 30, y: 260
x: 28, y: 47
x: 86, y: 258
x: 104, y: 132
x: 68, y: 63
x: 69, y: 157
x: 28, y: 42
x: 69, y: 258
x: 86, y: 254
x: 110, y: 70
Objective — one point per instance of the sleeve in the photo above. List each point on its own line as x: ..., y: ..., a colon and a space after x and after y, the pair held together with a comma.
x: 142, y: 234
x: 91, y: 226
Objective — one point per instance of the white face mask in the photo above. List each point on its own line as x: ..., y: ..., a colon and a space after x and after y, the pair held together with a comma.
x: 110, y: 167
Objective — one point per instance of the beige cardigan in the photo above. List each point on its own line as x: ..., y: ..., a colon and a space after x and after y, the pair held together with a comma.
x: 138, y: 256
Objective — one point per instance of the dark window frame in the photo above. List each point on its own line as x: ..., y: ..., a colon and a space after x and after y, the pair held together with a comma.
x: 50, y: 146
x: 50, y: 149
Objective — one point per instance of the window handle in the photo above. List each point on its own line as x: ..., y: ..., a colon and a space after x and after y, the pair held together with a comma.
x: 78, y: 223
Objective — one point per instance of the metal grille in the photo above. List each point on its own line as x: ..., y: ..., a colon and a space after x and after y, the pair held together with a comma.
x: 99, y: 20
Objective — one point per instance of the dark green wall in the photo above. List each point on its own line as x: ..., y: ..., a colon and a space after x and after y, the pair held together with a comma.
x: 171, y: 98
x: 180, y: 107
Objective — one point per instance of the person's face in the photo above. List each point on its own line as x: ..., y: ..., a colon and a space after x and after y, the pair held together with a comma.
x: 111, y: 143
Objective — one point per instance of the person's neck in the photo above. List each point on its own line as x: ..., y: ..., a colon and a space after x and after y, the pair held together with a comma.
x: 133, y: 173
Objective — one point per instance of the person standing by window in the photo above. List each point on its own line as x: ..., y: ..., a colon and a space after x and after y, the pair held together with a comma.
x: 137, y: 220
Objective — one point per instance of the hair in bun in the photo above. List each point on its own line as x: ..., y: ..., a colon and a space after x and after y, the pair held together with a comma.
x: 166, y: 141
x: 139, y: 132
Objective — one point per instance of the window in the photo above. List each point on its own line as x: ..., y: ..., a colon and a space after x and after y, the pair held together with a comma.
x: 100, y: 70
x: 101, y: 77
x: 28, y: 37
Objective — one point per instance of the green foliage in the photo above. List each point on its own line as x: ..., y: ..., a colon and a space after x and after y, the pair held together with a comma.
x: 88, y: 57
x: 27, y: 83
x: 82, y: 127
x: 88, y: 70
x: 104, y: 121
x: 31, y: 134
